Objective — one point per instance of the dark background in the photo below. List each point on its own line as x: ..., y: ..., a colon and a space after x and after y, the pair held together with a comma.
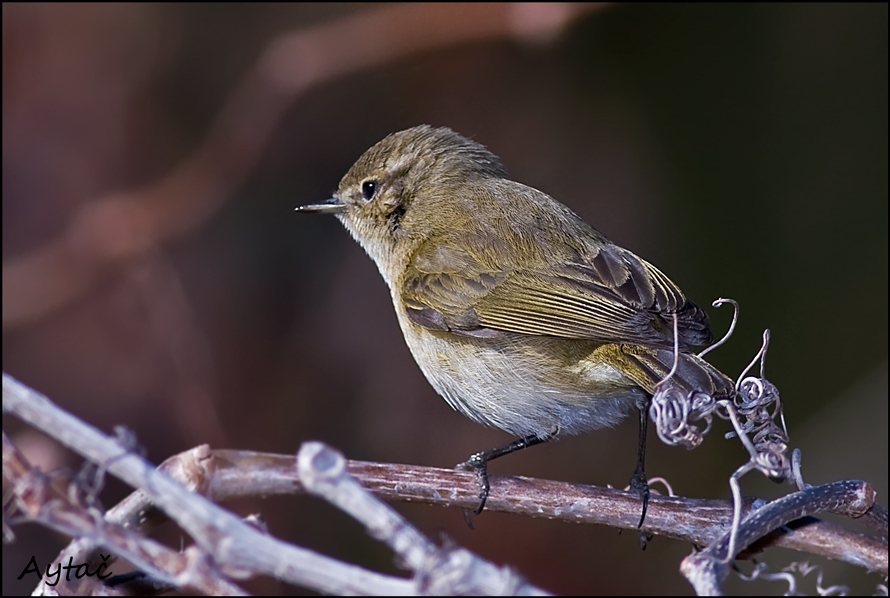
x: 741, y: 149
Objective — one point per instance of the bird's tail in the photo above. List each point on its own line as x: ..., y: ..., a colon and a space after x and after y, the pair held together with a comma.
x: 647, y: 367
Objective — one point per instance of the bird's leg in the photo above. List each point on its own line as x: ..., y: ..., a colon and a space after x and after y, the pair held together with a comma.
x: 638, y: 482
x: 478, y: 463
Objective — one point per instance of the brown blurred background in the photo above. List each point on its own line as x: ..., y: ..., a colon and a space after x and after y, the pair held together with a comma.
x: 742, y: 149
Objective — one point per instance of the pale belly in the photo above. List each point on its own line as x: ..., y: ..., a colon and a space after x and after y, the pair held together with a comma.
x: 523, y: 384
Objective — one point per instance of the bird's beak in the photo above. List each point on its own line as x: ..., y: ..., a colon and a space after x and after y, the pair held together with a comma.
x: 328, y: 206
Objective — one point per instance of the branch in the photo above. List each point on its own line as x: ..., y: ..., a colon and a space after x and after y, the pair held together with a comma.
x: 40, y: 501
x: 706, y: 569
x: 224, y: 475
x: 236, y: 546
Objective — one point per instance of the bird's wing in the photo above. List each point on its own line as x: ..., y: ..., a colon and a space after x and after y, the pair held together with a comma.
x: 611, y: 296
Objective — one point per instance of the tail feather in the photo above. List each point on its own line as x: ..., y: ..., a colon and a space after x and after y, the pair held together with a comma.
x: 647, y: 367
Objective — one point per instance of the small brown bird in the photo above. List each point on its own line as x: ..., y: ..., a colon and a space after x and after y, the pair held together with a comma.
x: 519, y: 314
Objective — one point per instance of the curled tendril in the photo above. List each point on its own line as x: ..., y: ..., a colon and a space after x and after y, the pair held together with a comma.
x: 753, y: 410
x: 761, y: 355
x: 735, y: 320
x: 795, y: 471
x: 670, y: 412
x: 674, y: 412
x: 787, y: 574
x: 676, y: 363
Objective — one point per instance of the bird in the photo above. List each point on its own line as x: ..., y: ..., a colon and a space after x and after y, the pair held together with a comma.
x: 520, y: 315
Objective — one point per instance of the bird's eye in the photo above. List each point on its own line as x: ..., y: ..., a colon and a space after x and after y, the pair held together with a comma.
x: 369, y: 188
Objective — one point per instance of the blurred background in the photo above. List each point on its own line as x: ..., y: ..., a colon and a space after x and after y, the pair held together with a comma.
x: 156, y: 276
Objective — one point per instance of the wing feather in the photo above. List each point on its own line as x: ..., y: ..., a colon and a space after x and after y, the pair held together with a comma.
x: 570, y: 282
x: 569, y: 302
